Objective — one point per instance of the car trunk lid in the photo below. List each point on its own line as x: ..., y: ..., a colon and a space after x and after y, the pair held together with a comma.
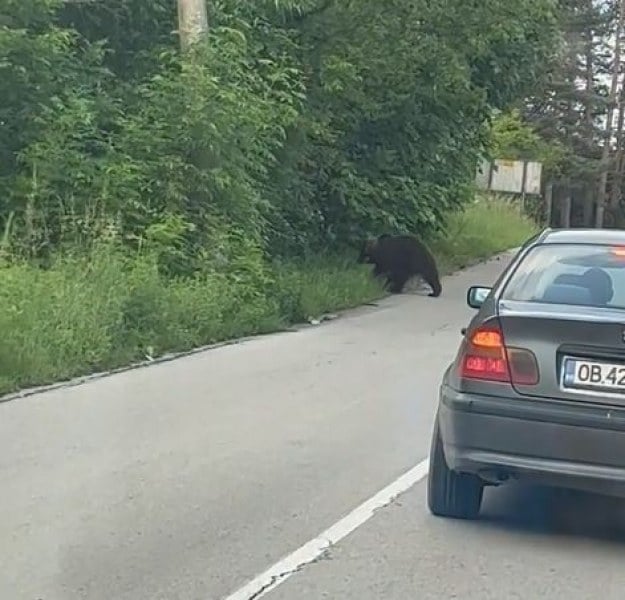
x: 563, y: 339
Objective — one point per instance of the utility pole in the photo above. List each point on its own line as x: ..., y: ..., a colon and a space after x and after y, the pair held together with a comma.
x: 192, y: 21
x: 614, y: 99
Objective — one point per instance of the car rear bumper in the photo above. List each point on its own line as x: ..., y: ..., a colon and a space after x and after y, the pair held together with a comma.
x: 561, y: 445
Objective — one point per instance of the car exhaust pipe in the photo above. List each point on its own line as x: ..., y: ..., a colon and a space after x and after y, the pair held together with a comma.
x: 496, y: 476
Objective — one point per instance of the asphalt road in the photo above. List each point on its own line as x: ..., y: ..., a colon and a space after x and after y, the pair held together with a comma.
x: 185, y: 480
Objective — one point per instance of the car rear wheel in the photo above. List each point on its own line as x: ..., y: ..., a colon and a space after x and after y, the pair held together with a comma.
x: 451, y: 494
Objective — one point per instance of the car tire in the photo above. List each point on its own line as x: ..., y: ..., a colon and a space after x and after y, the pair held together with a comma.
x: 451, y: 494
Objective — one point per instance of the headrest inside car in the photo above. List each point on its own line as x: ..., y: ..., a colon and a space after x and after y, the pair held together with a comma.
x: 560, y: 293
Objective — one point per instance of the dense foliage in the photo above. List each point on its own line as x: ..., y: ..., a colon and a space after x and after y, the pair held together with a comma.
x: 178, y: 199
x: 295, y: 126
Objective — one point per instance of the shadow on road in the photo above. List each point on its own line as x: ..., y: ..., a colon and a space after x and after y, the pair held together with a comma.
x: 562, y: 512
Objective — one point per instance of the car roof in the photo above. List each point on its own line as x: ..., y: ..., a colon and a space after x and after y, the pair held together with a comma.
x: 581, y: 236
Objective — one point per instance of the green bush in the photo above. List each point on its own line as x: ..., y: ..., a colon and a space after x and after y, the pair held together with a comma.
x: 281, y: 122
x: 105, y: 310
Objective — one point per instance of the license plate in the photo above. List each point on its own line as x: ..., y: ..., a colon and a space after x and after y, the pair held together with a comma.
x: 586, y: 374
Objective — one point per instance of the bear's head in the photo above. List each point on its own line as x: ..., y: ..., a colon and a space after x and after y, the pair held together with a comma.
x: 368, y: 250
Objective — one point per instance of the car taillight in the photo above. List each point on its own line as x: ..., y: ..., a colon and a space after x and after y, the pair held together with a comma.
x: 523, y: 366
x: 486, y: 357
x: 618, y: 251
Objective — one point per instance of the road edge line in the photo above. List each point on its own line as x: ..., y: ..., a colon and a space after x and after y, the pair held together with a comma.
x: 314, y: 549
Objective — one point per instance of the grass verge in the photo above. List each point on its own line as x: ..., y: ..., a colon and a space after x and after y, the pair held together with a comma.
x: 488, y: 226
x: 88, y: 315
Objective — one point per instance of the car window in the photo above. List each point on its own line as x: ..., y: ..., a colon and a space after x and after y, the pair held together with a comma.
x: 572, y: 274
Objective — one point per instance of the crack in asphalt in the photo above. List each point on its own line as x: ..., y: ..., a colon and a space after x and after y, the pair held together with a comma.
x: 324, y: 555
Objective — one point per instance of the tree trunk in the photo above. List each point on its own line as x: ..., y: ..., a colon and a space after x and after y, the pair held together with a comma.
x: 590, y: 76
x: 588, y: 202
x: 565, y: 206
x: 617, y: 181
x: 588, y: 191
x: 548, y: 203
x: 192, y: 21
x: 613, y: 99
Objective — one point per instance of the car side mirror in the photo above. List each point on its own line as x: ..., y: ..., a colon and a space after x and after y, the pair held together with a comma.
x: 476, y: 296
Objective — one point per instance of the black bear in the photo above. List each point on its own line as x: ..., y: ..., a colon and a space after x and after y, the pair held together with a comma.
x: 398, y: 258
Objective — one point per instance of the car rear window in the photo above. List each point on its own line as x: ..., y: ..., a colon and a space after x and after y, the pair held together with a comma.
x: 570, y: 274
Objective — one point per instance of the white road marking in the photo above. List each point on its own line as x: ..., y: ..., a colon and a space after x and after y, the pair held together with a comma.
x: 308, y: 553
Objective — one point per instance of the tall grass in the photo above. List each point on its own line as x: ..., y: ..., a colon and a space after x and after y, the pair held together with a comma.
x: 94, y: 313
x: 317, y: 287
x: 488, y: 226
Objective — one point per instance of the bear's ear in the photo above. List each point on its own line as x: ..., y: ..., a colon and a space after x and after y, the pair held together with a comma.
x: 371, y: 244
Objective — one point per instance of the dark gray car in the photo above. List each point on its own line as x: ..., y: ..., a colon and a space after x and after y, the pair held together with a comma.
x: 537, y: 390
